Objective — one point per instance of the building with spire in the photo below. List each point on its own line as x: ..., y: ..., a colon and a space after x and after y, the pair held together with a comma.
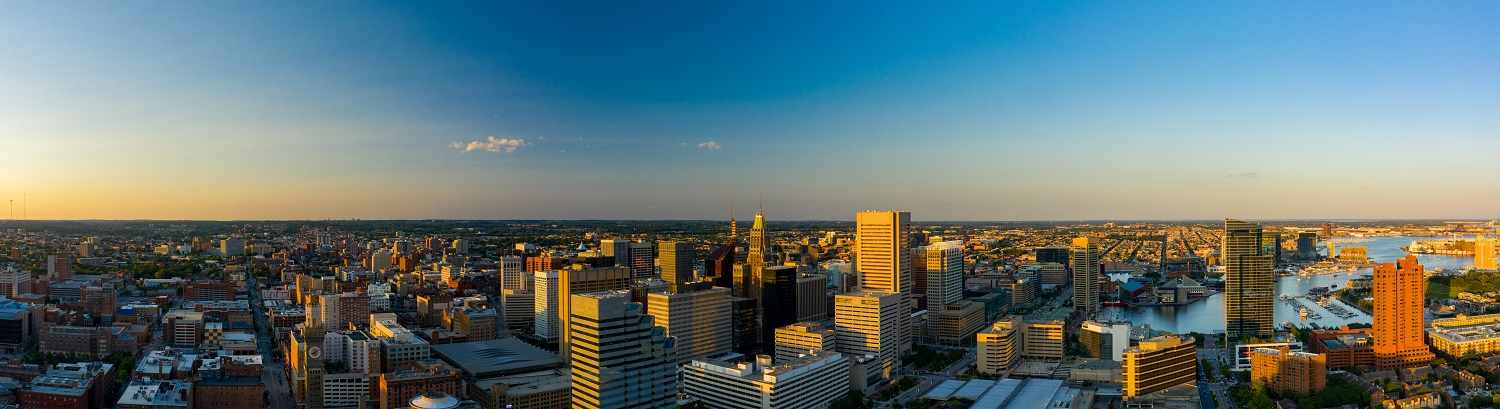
x: 756, y: 255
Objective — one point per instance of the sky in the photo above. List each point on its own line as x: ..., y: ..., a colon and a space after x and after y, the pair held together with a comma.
x: 681, y: 110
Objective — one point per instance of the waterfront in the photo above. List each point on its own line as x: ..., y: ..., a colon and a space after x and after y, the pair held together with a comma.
x: 1207, y: 315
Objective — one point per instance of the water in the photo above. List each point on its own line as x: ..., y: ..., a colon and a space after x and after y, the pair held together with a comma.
x: 1207, y: 315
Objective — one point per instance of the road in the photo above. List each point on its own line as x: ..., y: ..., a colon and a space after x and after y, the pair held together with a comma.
x: 274, y: 377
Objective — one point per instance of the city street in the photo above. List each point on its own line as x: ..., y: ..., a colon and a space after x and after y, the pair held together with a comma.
x: 274, y: 378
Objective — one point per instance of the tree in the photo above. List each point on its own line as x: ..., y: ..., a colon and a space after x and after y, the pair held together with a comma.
x: 853, y: 400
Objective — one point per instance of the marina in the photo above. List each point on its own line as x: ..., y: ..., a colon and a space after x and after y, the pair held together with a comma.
x: 1207, y: 315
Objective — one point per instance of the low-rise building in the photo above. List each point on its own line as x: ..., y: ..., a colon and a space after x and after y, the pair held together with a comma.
x: 1287, y: 372
x: 88, y: 385
x: 1158, y: 364
x: 998, y: 347
x: 1466, y: 335
x: 1343, y: 348
x: 157, y: 394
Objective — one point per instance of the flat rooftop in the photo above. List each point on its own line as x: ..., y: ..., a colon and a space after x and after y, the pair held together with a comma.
x: 496, y: 357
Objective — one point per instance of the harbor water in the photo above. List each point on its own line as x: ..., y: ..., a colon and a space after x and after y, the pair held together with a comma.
x: 1207, y: 315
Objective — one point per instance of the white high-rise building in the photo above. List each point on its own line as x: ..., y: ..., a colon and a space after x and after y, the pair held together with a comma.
x: 699, y: 320
x: 1105, y: 340
x: 810, y: 382
x: 870, y: 323
x: 11, y: 277
x: 544, y: 305
x: 621, y: 359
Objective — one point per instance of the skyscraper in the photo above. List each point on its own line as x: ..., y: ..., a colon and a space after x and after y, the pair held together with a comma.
x: 1484, y: 253
x: 619, y: 249
x: 883, y: 260
x: 1083, y: 257
x: 512, y: 276
x: 719, y: 267
x: 699, y: 320
x: 756, y: 255
x: 1307, y: 245
x: 677, y: 259
x: 1398, y: 288
x: 1249, y: 282
x: 642, y: 260
x: 622, y: 359
x: 580, y: 281
x: 777, y: 301
x: 943, y: 267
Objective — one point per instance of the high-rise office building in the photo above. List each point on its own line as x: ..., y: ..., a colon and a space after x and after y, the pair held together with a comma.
x: 1287, y: 372
x: 698, y: 319
x: 811, y: 382
x: 11, y: 279
x: 883, y: 258
x: 719, y: 266
x: 1249, y: 282
x: 1398, y: 289
x: 870, y: 323
x: 231, y: 247
x: 1307, y: 245
x: 1104, y: 340
x: 1043, y: 339
x: 756, y: 255
x: 619, y: 249
x: 812, y: 297
x: 998, y: 347
x: 1484, y: 253
x: 677, y: 260
x: 380, y: 259
x: 585, y: 280
x: 59, y: 267
x: 1158, y: 364
x: 513, y: 275
x: 621, y: 358
x: 545, y: 320
x: 1083, y: 257
x: 642, y: 260
x: 804, y: 338
x: 1052, y: 254
x: 942, y: 273
x: 744, y: 316
x: 777, y: 300
x: 1270, y: 243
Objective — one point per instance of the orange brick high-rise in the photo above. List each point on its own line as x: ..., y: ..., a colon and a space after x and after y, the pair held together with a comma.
x: 1398, y: 329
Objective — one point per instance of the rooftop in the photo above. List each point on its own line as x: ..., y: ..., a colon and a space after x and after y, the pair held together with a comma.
x: 157, y: 393
x: 496, y: 357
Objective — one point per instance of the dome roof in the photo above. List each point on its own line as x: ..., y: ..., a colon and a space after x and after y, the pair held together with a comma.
x: 434, y: 400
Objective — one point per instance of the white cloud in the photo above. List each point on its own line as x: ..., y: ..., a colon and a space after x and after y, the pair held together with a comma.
x: 490, y: 144
x: 709, y: 146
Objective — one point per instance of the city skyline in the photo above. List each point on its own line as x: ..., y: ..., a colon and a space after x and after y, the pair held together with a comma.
x: 1062, y: 111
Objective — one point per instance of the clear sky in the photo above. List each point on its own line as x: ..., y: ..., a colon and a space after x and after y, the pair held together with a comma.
x: 983, y: 111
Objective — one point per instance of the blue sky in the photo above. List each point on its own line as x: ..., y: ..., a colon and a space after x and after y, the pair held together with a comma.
x: 990, y: 111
